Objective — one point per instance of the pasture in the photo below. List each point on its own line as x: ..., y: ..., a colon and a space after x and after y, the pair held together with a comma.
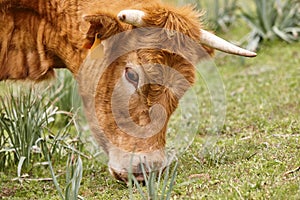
x: 256, y: 154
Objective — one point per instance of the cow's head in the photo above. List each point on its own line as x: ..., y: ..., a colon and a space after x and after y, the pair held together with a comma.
x: 133, y: 78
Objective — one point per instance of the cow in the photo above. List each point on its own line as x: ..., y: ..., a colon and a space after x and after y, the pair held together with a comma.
x: 38, y: 36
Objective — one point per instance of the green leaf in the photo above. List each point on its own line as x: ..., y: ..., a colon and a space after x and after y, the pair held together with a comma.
x: 282, y: 35
x: 20, y: 164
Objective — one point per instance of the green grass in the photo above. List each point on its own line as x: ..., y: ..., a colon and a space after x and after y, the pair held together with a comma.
x: 257, y: 155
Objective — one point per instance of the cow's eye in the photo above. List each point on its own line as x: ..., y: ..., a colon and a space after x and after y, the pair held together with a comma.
x: 132, y: 76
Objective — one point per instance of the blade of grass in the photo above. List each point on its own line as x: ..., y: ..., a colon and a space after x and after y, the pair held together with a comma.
x: 20, y: 164
x: 56, y: 184
x: 166, y: 177
x: 172, y: 182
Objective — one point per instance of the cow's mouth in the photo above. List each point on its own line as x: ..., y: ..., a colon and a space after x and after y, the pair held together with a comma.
x: 123, y: 176
x: 139, y: 176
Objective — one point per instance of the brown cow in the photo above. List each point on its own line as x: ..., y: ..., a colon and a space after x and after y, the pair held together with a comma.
x: 38, y: 36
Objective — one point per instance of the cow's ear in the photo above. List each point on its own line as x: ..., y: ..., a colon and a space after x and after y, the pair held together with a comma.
x: 101, y: 27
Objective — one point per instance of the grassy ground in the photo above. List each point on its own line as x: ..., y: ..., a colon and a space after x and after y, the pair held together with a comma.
x: 257, y: 155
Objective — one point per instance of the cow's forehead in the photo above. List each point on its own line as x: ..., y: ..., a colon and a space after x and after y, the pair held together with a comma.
x: 152, y: 42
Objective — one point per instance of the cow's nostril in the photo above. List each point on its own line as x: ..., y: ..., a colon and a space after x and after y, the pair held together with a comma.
x: 119, y: 175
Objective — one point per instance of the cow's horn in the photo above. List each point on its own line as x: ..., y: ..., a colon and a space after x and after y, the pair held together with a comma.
x: 135, y: 17
x: 215, y: 42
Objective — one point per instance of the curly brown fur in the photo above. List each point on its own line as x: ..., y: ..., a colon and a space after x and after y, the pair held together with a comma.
x: 21, y: 56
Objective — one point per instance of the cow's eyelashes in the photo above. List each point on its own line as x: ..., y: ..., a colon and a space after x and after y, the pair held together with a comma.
x: 132, y: 76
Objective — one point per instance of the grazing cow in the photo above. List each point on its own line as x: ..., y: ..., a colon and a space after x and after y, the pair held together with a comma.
x: 37, y: 36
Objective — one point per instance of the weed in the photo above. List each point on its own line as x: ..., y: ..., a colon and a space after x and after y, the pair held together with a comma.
x: 23, y: 119
x: 273, y: 18
x: 27, y: 137
x: 159, y: 185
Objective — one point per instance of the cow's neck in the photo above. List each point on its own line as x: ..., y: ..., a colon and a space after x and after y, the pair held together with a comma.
x: 58, y: 30
x: 64, y: 19
x: 70, y: 53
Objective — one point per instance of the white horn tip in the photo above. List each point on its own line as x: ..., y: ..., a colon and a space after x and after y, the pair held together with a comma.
x: 218, y: 43
x: 250, y: 54
x: 133, y: 17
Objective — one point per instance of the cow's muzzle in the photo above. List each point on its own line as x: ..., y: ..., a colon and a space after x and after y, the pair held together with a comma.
x: 123, y: 165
